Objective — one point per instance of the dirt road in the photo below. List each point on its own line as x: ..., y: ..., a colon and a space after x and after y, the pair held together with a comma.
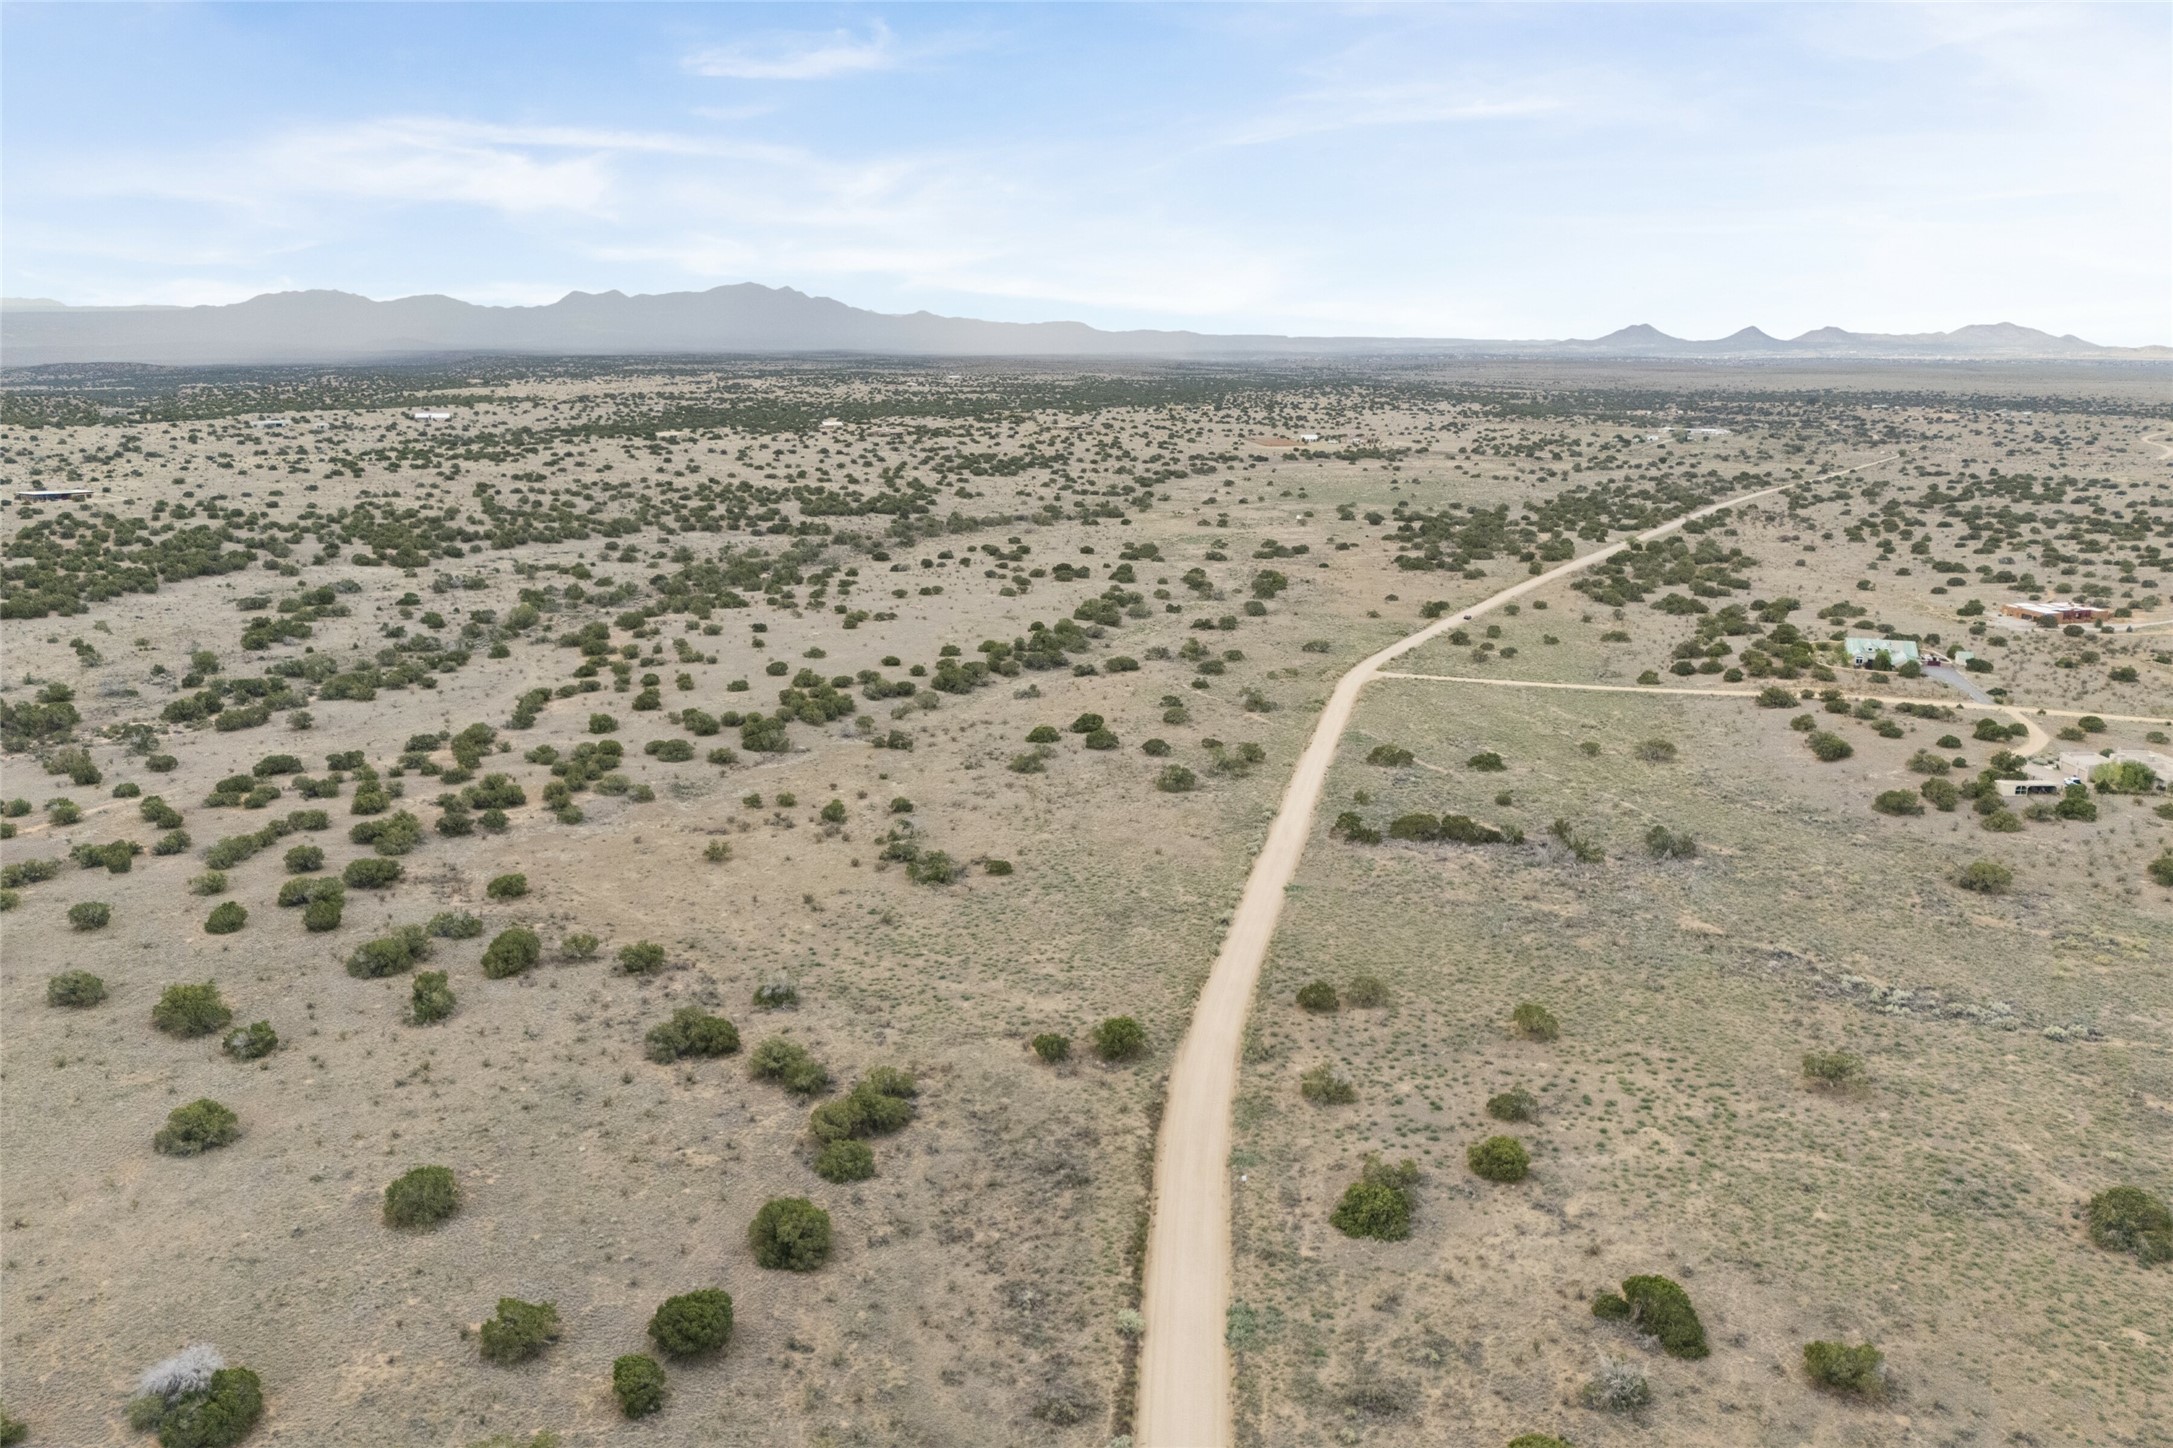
x: 1184, y: 1371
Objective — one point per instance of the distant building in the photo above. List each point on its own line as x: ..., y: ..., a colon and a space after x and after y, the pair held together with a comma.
x: 269, y: 422
x: 52, y: 495
x: 1864, y: 653
x: 1308, y: 437
x: 1709, y: 432
x: 2077, y: 764
x: 424, y: 414
x: 831, y: 422
x: 2054, y: 610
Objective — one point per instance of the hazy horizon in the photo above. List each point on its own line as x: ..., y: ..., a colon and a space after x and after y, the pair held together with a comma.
x: 16, y: 301
x: 1482, y: 172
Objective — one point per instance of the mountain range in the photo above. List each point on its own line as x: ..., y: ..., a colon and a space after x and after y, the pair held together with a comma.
x: 333, y: 326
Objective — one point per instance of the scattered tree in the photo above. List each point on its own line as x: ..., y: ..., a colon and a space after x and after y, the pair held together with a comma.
x: 1986, y: 877
x: 845, y: 1161
x: 431, y: 999
x: 75, y: 989
x: 519, y: 1331
x: 191, y: 1010
x: 792, y: 1233
x: 637, y: 1381
x: 1499, y: 1159
x: 691, y: 1032
x: 511, y: 952
x: 2129, y: 1219
x: 200, y: 1126
x: 1535, y: 1022
x: 692, y: 1323
x: 1120, y: 1038
x: 1325, y: 1086
x: 1838, y: 1368
x: 1378, y: 1204
x: 421, y: 1198
x: 1515, y: 1104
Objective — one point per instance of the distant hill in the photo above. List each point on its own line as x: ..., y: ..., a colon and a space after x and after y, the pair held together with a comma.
x: 328, y: 326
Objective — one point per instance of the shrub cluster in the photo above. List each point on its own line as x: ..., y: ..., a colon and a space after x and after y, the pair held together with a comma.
x: 1325, y: 1086
x: 643, y: 957
x: 198, y: 1127
x: 519, y: 1331
x: 1827, y: 747
x: 845, y: 1161
x: 1659, y: 1308
x: 1120, y: 1038
x: 390, y: 954
x: 1317, y: 995
x: 421, y: 1198
x: 74, y: 988
x: 1663, y: 843
x: 791, y: 1233
x: 690, y: 1324
x: 1832, y: 1069
x: 1499, y: 1159
x: 691, y: 1031
x: 431, y: 999
x: 1516, y: 1104
x: 880, y: 1103
x: 1618, y: 1387
x: 1454, y: 828
x: 637, y: 1381
x: 2129, y: 1219
x: 190, y: 1010
x: 370, y: 873
x: 194, y: 1400
x: 1839, y: 1368
x: 250, y: 1042
x: 1535, y: 1022
x: 1366, y: 992
x: 788, y: 1064
x: 511, y: 952
x: 1378, y: 1204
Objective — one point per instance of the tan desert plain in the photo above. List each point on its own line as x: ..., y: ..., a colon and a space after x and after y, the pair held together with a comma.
x: 875, y: 903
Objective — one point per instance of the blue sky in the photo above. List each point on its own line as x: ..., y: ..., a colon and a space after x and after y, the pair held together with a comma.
x: 1482, y: 171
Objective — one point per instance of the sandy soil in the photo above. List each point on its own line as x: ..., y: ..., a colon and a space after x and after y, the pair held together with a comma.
x: 1184, y: 1397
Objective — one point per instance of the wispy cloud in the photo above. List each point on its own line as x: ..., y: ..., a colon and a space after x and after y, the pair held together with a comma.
x: 1408, y: 103
x: 800, y: 56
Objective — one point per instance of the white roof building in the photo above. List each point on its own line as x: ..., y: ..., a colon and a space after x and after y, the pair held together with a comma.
x: 424, y: 414
x: 1863, y: 651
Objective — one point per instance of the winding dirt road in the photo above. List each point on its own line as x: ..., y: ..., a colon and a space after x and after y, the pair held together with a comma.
x: 1184, y: 1371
